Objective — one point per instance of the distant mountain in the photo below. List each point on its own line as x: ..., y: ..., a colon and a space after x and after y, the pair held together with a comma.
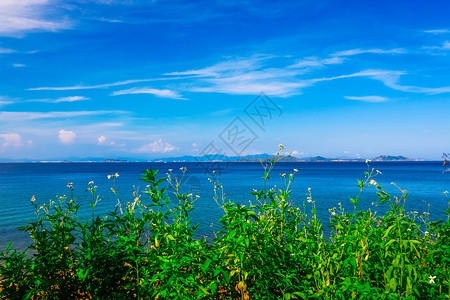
x: 288, y: 158
x: 115, y: 160
x: 392, y: 158
x: 317, y: 158
x: 211, y: 157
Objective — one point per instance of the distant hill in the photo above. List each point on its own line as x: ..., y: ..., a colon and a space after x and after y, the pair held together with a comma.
x: 392, y: 158
x: 211, y: 157
x: 288, y: 158
x: 115, y: 160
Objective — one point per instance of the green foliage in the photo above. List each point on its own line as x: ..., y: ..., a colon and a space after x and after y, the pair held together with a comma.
x: 268, y: 249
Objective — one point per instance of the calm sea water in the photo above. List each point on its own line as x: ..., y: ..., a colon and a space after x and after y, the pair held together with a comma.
x: 330, y: 182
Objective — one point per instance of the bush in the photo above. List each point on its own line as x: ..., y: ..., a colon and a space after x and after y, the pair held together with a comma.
x: 269, y: 249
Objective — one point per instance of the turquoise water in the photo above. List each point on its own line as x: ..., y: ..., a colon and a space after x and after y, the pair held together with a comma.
x: 330, y: 182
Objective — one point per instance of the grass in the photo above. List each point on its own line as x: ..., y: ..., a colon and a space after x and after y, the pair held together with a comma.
x: 268, y: 249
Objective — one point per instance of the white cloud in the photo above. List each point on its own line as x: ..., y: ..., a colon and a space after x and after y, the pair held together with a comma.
x: 245, y: 76
x: 66, y: 137
x: 157, y: 146
x: 20, y: 116
x: 437, y: 31
x: 375, y: 51
x: 438, y: 50
x: 70, y: 99
x: 102, y: 141
x: 102, y: 19
x: 99, y: 86
x: 390, y: 79
x: 19, y: 17
x: 4, y: 101
x: 158, y: 93
x: 231, y: 65
x: 18, y: 65
x: 294, y: 152
x: 6, y: 50
x: 281, y: 89
x: 254, y: 75
x: 11, y: 140
x: 61, y: 99
x: 310, y: 62
x: 368, y: 98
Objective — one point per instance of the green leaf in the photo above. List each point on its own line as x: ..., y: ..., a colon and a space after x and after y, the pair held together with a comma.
x: 206, y: 265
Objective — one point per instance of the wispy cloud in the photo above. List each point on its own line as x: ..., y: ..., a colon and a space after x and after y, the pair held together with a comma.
x: 437, y: 31
x: 6, y: 50
x: 5, y: 101
x: 18, y: 65
x: 438, y: 50
x: 20, y: 116
x: 391, y: 79
x: 102, y: 19
x: 231, y: 65
x: 70, y: 99
x: 19, y: 17
x: 254, y: 75
x: 314, y: 62
x: 98, y: 86
x: 245, y: 76
x: 164, y: 93
x: 275, y: 88
x: 375, y: 51
x: 61, y: 99
x: 368, y: 98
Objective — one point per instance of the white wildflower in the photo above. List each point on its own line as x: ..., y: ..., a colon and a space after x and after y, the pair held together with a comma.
x: 432, y: 278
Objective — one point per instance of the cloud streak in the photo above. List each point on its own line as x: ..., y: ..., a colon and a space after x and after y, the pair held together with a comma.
x: 368, y: 98
x: 99, y: 86
x: 21, y: 116
x: 161, y: 93
x: 61, y: 99
x: 437, y: 31
x: 374, y: 51
x: 253, y: 75
x: 6, y: 50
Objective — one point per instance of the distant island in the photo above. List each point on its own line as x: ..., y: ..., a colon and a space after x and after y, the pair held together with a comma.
x: 108, y: 160
x: 393, y: 158
x: 290, y: 158
x: 220, y: 158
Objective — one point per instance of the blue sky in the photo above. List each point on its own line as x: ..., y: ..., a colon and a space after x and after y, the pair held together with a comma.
x: 149, y: 79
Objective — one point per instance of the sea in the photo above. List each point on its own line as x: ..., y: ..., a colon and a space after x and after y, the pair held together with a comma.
x: 331, y: 183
